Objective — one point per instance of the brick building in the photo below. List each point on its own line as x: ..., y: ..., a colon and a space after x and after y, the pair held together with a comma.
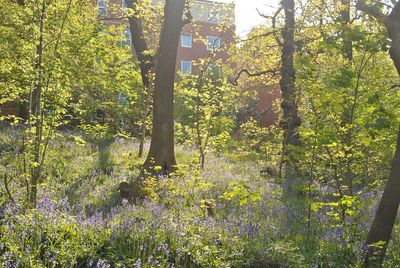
x: 208, y: 36
x: 204, y: 43
x: 266, y: 111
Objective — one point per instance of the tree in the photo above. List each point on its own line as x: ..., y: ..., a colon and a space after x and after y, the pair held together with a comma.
x: 206, y: 104
x: 290, y: 118
x: 162, y: 138
x: 59, y: 64
x: 382, y: 226
x: 290, y: 121
x: 35, y: 113
x: 146, y: 62
x: 349, y: 112
x: 37, y: 133
x: 162, y: 152
x: 346, y: 21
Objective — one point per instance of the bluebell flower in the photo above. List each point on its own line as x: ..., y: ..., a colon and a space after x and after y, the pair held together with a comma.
x: 138, y: 263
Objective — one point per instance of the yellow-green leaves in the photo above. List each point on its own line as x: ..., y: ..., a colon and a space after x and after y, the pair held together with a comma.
x: 241, y: 193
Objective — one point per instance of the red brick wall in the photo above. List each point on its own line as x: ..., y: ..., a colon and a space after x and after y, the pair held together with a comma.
x: 200, y: 31
x: 268, y: 96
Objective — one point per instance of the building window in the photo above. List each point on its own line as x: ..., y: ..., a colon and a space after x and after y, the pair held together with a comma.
x: 128, y: 37
x: 213, y: 42
x: 102, y: 6
x: 123, y: 4
x: 186, y: 40
x: 213, y: 16
x: 186, y: 67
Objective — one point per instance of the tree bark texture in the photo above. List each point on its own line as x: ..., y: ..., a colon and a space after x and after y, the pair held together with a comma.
x: 382, y: 226
x: 146, y: 61
x: 36, y: 112
x: 291, y: 121
x: 162, y: 151
x: 346, y: 20
x: 347, y: 50
x: 146, y: 65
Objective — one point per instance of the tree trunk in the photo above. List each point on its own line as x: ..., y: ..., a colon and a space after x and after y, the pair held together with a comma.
x: 144, y: 122
x: 202, y: 158
x: 146, y: 64
x: 346, y: 20
x: 393, y: 26
x: 162, y: 152
x: 347, y: 50
x: 146, y: 61
x: 36, y: 112
x: 382, y: 226
x: 385, y: 217
x: 291, y: 121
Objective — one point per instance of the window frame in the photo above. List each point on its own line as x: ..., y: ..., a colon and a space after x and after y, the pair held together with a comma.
x: 102, y: 5
x: 191, y: 66
x: 213, y: 43
x: 191, y: 40
x: 213, y: 18
x: 215, y: 67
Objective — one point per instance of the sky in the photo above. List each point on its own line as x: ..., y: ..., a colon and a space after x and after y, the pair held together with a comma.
x: 246, y: 13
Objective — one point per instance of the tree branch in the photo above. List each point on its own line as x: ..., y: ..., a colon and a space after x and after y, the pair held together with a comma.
x: 372, y: 11
x: 273, y: 20
x: 235, y: 82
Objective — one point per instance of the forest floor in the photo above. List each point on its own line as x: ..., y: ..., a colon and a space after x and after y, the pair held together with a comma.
x: 227, y: 215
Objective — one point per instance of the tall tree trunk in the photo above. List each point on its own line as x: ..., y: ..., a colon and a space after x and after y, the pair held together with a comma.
x: 346, y: 20
x: 385, y: 217
x: 36, y: 112
x: 162, y: 152
x: 144, y: 121
x: 146, y: 61
x: 290, y: 119
x: 146, y: 64
x: 393, y: 26
x: 382, y: 226
x: 347, y: 50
